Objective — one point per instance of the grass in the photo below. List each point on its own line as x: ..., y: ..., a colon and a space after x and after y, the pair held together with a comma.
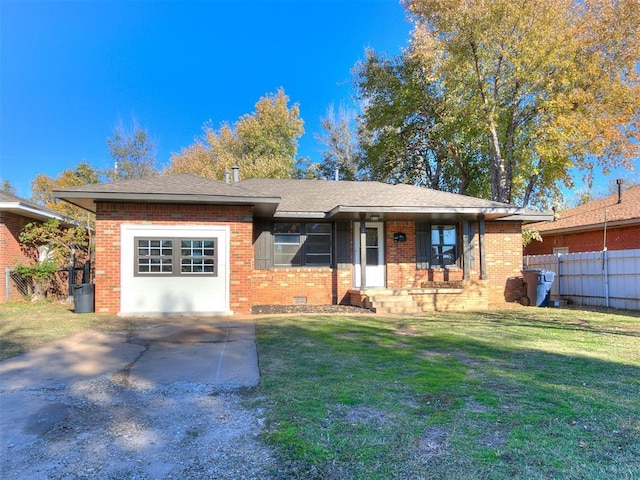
x: 523, y: 393
x: 25, y: 326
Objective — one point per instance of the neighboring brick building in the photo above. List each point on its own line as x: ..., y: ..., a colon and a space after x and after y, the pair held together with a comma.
x: 15, y: 213
x: 180, y: 244
x: 582, y: 229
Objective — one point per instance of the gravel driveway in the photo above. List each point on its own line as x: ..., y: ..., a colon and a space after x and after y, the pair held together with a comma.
x: 115, y: 406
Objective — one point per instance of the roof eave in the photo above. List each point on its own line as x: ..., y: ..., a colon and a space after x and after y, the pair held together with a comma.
x: 590, y: 228
x: 493, y: 212
x: 88, y: 201
x: 28, y: 211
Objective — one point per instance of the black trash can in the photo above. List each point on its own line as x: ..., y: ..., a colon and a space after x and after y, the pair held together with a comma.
x: 83, y: 298
x: 538, y: 284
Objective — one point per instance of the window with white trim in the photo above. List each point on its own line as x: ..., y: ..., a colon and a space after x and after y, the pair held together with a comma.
x: 175, y: 256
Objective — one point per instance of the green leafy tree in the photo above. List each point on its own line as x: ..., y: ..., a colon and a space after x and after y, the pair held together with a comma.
x: 41, y: 275
x: 546, y: 85
x: 529, y: 235
x: 407, y: 132
x: 263, y: 144
x: 42, y: 188
x: 57, y: 246
x: 133, y: 152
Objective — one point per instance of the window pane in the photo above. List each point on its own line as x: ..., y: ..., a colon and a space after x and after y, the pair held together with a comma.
x: 318, y: 228
x: 372, y: 256
x: 154, y: 256
x: 286, y: 228
x: 449, y: 235
x: 449, y: 255
x: 286, y: 255
x: 197, y: 256
x: 318, y: 244
x: 288, y: 239
x: 318, y: 259
x: 443, y: 234
x: 372, y: 237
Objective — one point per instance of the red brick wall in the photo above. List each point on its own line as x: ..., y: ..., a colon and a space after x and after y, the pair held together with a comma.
x: 503, y: 261
x: 401, y: 257
x: 11, y: 252
x: 619, y: 238
x: 280, y: 286
x: 109, y: 217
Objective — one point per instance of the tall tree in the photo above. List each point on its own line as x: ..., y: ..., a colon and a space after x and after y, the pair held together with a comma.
x: 341, y: 145
x: 263, y: 144
x: 407, y: 132
x: 42, y: 189
x: 551, y: 84
x: 133, y: 153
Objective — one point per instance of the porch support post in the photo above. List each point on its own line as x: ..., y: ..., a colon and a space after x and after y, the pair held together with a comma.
x: 467, y: 248
x: 483, y: 261
x: 363, y: 252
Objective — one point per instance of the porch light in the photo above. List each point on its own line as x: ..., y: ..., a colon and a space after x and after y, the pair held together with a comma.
x: 374, y: 218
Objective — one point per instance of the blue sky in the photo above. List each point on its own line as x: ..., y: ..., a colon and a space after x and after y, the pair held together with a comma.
x: 70, y: 70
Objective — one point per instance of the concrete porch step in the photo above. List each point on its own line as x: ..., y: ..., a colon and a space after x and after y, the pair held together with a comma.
x: 392, y: 302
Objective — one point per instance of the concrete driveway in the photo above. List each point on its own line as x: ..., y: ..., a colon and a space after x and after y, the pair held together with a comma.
x: 219, y: 352
x: 181, y: 357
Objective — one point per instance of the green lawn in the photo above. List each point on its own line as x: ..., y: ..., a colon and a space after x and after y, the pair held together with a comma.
x: 25, y: 325
x: 525, y: 393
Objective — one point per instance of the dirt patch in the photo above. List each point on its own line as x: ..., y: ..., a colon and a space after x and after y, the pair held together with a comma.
x: 433, y: 444
x: 361, y: 414
x: 102, y: 429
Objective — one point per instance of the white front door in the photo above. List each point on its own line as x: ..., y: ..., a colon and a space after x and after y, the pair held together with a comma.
x: 375, y: 267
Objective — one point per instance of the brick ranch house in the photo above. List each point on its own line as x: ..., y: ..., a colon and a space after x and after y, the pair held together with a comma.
x: 582, y: 229
x: 181, y: 244
x: 15, y: 213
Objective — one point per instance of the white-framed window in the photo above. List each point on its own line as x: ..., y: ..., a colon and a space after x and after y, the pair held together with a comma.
x: 560, y: 250
x: 174, y: 256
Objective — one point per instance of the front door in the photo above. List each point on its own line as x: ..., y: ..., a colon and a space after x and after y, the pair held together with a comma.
x: 375, y: 267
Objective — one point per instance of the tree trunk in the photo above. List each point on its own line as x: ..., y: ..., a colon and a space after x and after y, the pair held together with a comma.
x: 499, y: 183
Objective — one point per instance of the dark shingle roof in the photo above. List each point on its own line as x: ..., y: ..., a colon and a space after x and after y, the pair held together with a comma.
x: 592, y: 214
x: 293, y: 198
x: 179, y: 188
x: 179, y: 184
x: 345, y: 197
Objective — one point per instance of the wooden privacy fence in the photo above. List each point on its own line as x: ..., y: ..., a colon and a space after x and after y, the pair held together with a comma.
x: 603, y: 279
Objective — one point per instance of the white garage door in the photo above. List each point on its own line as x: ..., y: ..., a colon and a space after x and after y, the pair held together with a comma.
x: 174, y: 270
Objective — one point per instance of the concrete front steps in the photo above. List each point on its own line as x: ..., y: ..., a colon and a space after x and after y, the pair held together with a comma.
x: 410, y: 301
